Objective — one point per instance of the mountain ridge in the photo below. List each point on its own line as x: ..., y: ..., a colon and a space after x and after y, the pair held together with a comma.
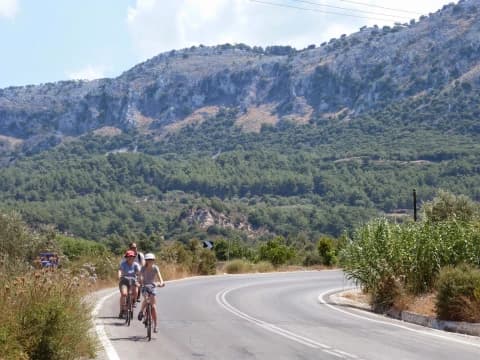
x: 345, y: 77
x: 297, y: 143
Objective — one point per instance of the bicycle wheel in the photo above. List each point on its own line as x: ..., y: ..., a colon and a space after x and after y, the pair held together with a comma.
x: 149, y: 321
x: 129, y: 313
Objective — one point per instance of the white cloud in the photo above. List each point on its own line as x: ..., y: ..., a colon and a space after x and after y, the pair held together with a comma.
x: 87, y: 73
x: 9, y: 8
x: 161, y: 25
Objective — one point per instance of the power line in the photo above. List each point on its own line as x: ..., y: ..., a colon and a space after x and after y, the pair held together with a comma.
x: 317, y: 10
x: 380, y: 7
x: 348, y: 9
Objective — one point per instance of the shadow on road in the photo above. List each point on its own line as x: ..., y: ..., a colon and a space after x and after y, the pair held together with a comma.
x: 131, y: 338
x: 108, y: 317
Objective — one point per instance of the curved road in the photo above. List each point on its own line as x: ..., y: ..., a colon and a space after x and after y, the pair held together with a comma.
x: 270, y: 316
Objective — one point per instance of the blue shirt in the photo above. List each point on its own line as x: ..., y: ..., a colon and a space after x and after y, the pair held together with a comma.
x: 129, y: 270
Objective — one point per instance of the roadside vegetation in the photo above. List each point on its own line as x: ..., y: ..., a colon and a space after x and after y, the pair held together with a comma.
x: 44, y: 316
x: 439, y: 254
x: 47, y: 317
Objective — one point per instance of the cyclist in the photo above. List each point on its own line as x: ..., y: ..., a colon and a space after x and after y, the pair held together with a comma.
x: 149, y: 273
x: 139, y: 258
x: 128, y: 267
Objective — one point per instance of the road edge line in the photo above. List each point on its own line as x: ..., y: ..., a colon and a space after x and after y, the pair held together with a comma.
x: 426, y: 331
x: 100, y: 329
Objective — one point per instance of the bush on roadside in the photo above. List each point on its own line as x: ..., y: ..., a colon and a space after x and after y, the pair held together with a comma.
x: 18, y: 244
x: 75, y: 248
x: 447, y: 206
x: 458, y: 294
x: 385, y: 294
x: 276, y: 251
x: 207, y: 264
x: 46, y: 318
x: 238, y: 266
x: 311, y: 259
x: 326, y: 250
x: 263, y: 267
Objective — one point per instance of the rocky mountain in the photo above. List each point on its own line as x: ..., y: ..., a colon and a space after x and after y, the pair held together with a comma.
x: 345, y: 78
x: 246, y: 143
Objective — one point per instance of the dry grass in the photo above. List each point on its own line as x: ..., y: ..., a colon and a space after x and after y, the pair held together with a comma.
x: 197, y: 117
x: 46, y: 317
x: 423, y: 305
x: 253, y: 119
x: 358, y: 296
x: 173, y: 271
x: 108, y: 131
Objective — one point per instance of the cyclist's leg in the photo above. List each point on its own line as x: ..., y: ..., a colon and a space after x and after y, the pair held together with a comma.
x: 141, y: 313
x: 134, y: 294
x: 123, y: 297
x: 153, y: 301
x: 139, y: 293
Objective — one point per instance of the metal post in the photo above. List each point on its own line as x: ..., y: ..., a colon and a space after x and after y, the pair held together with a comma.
x: 228, y: 250
x: 414, y: 205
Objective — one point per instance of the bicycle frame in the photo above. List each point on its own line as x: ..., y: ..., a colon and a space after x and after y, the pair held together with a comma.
x: 129, y: 299
x: 148, y: 310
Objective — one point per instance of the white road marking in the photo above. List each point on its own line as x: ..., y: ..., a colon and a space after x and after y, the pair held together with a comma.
x: 334, y: 353
x: 222, y: 301
x: 430, y: 332
x: 100, y: 329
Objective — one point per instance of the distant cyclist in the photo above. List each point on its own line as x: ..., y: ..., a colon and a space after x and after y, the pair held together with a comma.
x: 128, y: 268
x: 139, y: 258
x: 149, y: 273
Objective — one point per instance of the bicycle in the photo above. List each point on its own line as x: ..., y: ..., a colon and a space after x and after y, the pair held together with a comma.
x: 147, y: 291
x: 129, y: 300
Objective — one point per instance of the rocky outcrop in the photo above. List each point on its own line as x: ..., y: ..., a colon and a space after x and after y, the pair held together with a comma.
x: 205, y: 218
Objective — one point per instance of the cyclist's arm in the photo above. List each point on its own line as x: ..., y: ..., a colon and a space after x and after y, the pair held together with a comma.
x: 162, y: 283
x: 119, y: 274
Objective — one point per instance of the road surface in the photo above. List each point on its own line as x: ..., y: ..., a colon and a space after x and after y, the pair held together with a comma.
x: 270, y: 316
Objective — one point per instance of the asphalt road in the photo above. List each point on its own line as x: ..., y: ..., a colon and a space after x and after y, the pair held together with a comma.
x: 270, y: 316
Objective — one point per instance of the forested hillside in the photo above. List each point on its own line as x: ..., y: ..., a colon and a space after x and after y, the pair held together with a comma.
x: 269, y: 141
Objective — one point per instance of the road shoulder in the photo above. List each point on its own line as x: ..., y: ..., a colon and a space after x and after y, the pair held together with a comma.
x: 353, y: 298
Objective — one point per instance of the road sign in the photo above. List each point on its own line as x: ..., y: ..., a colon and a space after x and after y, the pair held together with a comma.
x: 208, y: 244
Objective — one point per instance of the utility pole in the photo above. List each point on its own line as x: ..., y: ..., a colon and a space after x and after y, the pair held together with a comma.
x: 414, y: 205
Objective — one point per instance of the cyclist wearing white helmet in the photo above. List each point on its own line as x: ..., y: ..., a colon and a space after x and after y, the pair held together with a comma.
x: 149, y: 273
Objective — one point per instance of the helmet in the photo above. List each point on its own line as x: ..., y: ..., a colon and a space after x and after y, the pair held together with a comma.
x: 130, y: 253
x: 149, y: 256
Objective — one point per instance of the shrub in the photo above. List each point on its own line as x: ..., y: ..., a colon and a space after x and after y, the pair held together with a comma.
x: 46, y: 318
x: 311, y: 259
x: 18, y: 244
x: 238, y: 266
x: 326, y: 250
x: 458, y: 296
x: 75, y: 248
x: 207, y: 262
x: 263, y: 267
x: 447, y: 206
x: 276, y: 251
x: 385, y: 293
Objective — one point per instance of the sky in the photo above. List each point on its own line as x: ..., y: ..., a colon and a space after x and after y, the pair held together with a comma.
x: 50, y: 40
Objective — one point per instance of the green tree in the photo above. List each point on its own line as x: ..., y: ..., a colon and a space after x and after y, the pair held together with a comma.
x: 326, y: 250
x: 276, y: 251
